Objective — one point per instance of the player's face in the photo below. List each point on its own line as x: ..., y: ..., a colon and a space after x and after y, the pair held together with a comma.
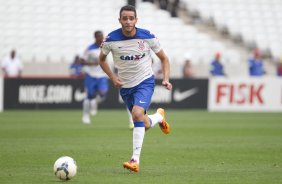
x: 99, y: 38
x: 128, y: 21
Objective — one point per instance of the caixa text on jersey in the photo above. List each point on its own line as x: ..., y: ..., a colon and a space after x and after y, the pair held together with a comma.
x: 132, y: 57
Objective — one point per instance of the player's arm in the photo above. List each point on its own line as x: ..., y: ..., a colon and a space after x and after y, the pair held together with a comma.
x: 85, y: 62
x: 4, y: 72
x: 166, y: 69
x: 106, y: 68
x: 3, y: 66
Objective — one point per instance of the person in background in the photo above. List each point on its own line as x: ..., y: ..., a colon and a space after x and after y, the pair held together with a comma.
x: 173, y: 7
x: 255, y: 64
x: 217, y: 69
x: 76, y: 68
x: 151, y: 1
x: 187, y: 68
x: 11, y: 65
x: 279, y: 67
x: 95, y: 81
x: 163, y: 4
x: 131, y: 2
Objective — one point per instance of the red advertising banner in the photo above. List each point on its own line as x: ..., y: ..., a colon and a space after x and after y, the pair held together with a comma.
x: 245, y: 94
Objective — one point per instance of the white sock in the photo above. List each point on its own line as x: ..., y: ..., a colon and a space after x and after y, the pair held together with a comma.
x: 100, y: 98
x: 155, y: 118
x: 93, y: 106
x: 86, y: 107
x: 138, y: 136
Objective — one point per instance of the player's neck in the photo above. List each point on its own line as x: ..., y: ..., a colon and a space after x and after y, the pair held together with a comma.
x: 98, y: 43
x: 129, y: 33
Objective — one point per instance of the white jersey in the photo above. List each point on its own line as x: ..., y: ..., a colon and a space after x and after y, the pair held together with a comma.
x: 132, y: 56
x: 12, y: 66
x: 92, y: 55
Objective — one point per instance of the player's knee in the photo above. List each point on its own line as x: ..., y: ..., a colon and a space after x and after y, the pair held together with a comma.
x: 137, y: 114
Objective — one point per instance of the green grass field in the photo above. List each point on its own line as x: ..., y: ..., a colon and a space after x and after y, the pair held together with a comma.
x: 203, y: 148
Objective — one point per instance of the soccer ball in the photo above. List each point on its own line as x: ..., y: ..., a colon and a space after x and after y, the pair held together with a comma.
x: 65, y: 168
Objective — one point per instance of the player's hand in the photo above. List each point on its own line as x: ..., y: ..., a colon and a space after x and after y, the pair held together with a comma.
x: 167, y: 85
x: 117, y: 82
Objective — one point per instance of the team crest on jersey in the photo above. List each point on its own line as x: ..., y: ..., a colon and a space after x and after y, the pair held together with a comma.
x: 141, y: 45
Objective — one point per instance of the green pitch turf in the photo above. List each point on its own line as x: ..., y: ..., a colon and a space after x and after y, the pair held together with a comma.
x: 202, y: 148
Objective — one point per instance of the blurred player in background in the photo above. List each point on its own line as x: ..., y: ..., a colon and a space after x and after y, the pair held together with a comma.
x: 11, y: 65
x: 96, y: 81
x: 130, y: 47
x: 279, y: 67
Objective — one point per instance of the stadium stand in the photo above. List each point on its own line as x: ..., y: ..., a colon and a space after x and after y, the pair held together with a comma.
x: 257, y: 22
x: 48, y: 34
x: 180, y: 39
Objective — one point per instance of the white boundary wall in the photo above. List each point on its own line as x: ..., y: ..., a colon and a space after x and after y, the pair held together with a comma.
x: 262, y: 94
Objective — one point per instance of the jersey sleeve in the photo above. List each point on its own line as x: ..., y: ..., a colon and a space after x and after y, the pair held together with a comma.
x: 105, y: 47
x: 154, y: 45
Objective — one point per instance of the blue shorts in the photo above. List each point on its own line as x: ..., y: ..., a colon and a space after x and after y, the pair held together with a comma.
x: 96, y: 86
x: 139, y: 95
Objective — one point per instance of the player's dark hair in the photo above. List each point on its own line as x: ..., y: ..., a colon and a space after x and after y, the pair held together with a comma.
x: 127, y: 8
x: 97, y: 32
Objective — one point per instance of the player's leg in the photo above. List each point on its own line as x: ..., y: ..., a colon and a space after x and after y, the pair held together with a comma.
x: 127, y: 96
x: 157, y: 118
x: 102, y: 87
x: 86, y: 111
x: 93, y: 101
x: 138, y: 137
x: 93, y: 106
x: 164, y: 126
x: 138, y: 99
x: 138, y: 131
x: 131, y: 124
x: 89, y: 88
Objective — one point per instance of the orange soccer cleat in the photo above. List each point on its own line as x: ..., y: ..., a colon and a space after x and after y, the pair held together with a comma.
x: 132, y: 165
x: 164, y: 126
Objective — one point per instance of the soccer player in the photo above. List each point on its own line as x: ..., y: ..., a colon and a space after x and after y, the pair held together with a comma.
x: 130, y: 47
x: 96, y: 81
